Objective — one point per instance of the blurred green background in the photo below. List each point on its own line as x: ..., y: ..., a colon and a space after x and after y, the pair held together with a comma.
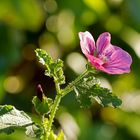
x: 53, y: 25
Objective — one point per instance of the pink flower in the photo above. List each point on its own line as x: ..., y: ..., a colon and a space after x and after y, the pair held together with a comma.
x: 103, y: 55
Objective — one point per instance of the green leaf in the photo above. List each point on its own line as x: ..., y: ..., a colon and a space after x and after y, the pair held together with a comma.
x: 89, y: 88
x: 61, y: 136
x: 53, y: 67
x: 23, y: 14
x: 11, y: 118
x: 34, y: 131
x: 52, y: 136
x: 44, y: 106
x: 104, y: 97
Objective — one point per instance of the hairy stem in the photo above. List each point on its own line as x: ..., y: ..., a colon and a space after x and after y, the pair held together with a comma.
x: 54, y: 108
x: 70, y: 87
x: 44, y: 127
x: 60, y: 94
x: 53, y: 112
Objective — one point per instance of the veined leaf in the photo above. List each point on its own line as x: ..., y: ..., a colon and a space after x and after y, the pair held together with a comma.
x: 33, y: 131
x: 89, y: 88
x: 53, y: 67
x: 11, y: 118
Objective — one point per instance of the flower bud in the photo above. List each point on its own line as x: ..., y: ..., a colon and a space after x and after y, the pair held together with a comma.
x: 40, y: 92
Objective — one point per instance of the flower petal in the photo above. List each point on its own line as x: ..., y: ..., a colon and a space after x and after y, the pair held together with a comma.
x: 87, y: 43
x: 96, y: 62
x: 103, y: 42
x: 119, y: 62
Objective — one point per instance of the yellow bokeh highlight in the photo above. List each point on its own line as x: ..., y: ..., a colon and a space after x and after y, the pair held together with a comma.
x: 120, y: 86
x: 51, y: 23
x: 47, y: 42
x: 50, y: 6
x: 114, y: 24
x: 65, y: 25
x: 88, y: 17
x: 99, y: 6
x: 13, y: 84
x: 66, y: 36
x: 115, y: 2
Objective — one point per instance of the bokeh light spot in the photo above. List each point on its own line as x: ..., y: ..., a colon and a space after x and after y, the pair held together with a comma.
x: 69, y: 125
x: 131, y: 37
x: 66, y: 36
x: 65, y: 19
x: 105, y: 83
x: 88, y: 17
x: 115, y: 2
x: 131, y: 101
x: 13, y: 84
x: 108, y: 131
x: 99, y: 6
x: 112, y: 22
x: 51, y: 24
x: 48, y: 43
x: 65, y: 28
x: 50, y: 6
x: 76, y: 62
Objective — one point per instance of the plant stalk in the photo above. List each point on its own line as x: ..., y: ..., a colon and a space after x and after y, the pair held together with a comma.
x: 53, y: 112
x: 70, y: 87
x: 60, y: 94
x: 54, y: 109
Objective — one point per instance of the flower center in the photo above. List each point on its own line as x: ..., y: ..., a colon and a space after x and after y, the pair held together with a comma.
x: 95, y: 53
x: 103, y: 58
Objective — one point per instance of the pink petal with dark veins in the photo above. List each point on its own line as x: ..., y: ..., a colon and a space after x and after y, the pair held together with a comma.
x: 87, y: 43
x: 103, y: 42
x: 119, y: 63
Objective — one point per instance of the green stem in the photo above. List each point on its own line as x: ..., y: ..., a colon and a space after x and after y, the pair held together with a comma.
x: 57, y: 86
x: 44, y: 127
x: 60, y: 94
x: 54, y: 108
x: 70, y: 87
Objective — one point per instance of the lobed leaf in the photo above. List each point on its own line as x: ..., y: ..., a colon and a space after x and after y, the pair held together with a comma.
x: 89, y: 88
x: 11, y: 118
x: 53, y: 67
x: 42, y: 107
